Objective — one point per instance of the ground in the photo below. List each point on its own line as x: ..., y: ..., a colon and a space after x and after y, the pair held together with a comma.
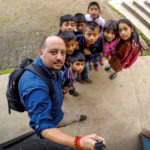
x: 23, y: 24
x: 116, y: 110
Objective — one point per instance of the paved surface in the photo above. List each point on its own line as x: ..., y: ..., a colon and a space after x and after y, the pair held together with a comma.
x: 117, y: 110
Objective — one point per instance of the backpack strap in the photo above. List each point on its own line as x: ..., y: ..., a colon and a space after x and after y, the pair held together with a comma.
x: 39, y: 71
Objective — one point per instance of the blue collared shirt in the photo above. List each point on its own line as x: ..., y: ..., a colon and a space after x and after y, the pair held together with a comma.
x: 34, y: 94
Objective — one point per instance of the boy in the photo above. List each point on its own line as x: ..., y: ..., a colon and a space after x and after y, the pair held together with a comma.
x: 89, y: 43
x: 71, y: 44
x: 79, y: 23
x: 77, y: 63
x: 94, y: 15
x: 66, y: 23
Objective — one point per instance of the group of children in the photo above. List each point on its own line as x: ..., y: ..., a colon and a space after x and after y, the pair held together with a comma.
x: 88, y: 39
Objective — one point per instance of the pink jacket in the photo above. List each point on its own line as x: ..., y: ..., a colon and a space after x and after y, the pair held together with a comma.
x: 109, y: 48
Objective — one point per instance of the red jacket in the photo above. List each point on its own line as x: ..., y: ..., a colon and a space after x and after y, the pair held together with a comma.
x: 124, y: 56
x: 130, y: 56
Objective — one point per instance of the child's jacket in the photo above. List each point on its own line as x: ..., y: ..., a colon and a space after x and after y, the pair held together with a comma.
x: 95, y: 48
x: 68, y: 77
x: 109, y: 47
x: 124, y: 56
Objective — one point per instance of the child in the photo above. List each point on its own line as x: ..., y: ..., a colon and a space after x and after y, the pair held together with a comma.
x: 71, y: 44
x: 77, y: 62
x: 109, y: 39
x: 66, y: 23
x: 94, y: 15
x: 127, y: 50
x: 89, y: 43
x: 79, y: 23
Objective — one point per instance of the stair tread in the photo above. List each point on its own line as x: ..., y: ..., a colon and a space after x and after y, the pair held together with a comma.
x: 138, y: 11
x: 141, y: 3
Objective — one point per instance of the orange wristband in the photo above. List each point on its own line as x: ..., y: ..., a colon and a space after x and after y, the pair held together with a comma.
x: 77, y: 143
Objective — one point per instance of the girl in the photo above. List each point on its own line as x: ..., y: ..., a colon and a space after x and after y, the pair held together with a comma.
x: 109, y: 39
x: 127, y: 50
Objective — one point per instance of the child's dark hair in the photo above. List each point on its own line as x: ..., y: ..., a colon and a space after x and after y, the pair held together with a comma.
x: 77, y: 56
x: 93, y: 3
x: 65, y: 18
x: 110, y: 25
x: 67, y: 36
x: 134, y: 35
x: 91, y: 25
x: 79, y: 17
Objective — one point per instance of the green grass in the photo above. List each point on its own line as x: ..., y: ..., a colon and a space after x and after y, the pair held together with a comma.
x: 144, y: 37
x: 145, y: 54
x: 7, y: 71
x: 115, y: 10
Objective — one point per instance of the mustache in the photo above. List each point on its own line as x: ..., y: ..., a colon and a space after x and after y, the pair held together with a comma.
x: 58, y: 61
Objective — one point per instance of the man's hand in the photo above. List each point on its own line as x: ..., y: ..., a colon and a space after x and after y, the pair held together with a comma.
x: 87, y: 142
x: 86, y: 51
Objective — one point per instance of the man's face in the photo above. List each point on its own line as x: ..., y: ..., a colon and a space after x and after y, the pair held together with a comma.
x: 71, y: 46
x: 80, y: 26
x: 68, y: 26
x: 54, y: 53
x: 94, y: 11
x: 78, y: 66
x: 91, y: 36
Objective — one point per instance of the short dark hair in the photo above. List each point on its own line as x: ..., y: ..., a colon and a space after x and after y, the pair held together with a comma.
x: 110, y: 25
x: 65, y: 18
x: 91, y: 25
x: 67, y: 36
x: 79, y: 17
x: 93, y: 3
x: 77, y: 56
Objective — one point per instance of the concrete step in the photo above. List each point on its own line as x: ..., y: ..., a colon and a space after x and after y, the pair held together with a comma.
x: 141, y: 5
x: 147, y: 2
x: 137, y: 12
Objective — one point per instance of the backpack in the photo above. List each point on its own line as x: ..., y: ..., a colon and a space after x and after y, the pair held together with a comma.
x: 12, y: 93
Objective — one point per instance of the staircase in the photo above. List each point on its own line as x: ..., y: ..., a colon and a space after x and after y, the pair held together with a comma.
x: 137, y: 11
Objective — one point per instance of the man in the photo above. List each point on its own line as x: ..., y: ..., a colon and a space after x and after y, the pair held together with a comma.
x: 46, y: 114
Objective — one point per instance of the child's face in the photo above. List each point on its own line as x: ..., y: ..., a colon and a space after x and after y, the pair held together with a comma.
x: 71, y: 46
x: 109, y: 35
x: 68, y: 25
x: 78, y: 66
x: 94, y: 11
x: 124, y: 31
x: 91, y: 36
x: 80, y: 26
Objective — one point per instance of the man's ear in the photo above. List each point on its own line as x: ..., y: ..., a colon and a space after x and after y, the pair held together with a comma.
x: 40, y: 52
x: 88, y: 11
